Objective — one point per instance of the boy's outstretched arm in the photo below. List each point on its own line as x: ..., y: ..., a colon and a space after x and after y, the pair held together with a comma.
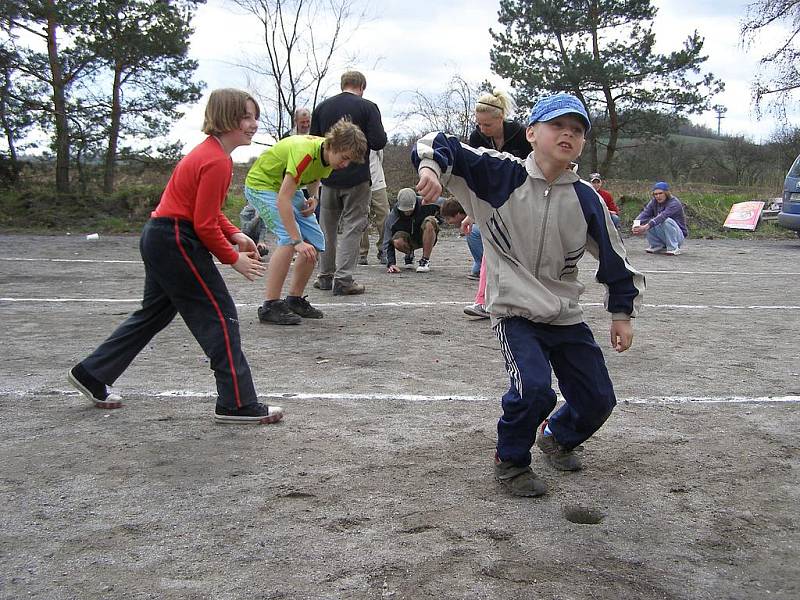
x: 429, y: 187
x: 621, y: 335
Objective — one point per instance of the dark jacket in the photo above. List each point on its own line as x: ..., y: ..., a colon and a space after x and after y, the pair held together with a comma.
x: 397, y: 221
x: 363, y: 113
x: 514, y: 141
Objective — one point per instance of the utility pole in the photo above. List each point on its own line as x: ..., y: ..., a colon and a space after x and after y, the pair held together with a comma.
x: 720, y: 110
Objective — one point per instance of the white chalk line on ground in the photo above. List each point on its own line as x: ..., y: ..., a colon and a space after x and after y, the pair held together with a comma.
x: 435, y: 267
x: 659, y: 400
x: 420, y: 303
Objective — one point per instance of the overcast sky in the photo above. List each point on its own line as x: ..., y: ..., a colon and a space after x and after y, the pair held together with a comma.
x: 415, y: 44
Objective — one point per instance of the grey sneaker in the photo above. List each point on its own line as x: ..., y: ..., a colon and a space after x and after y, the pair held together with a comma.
x: 347, y: 289
x: 278, y: 313
x: 323, y: 284
x: 655, y: 249
x: 301, y: 306
x: 520, y: 481
x: 557, y: 456
x: 408, y: 261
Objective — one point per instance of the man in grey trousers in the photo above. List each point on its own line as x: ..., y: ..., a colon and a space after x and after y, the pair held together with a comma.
x: 345, y: 195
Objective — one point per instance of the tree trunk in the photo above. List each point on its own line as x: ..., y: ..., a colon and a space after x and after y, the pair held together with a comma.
x: 60, y: 106
x: 113, y: 135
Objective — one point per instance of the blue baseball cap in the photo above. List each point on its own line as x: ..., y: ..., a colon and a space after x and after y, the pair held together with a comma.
x: 661, y: 185
x: 550, y: 107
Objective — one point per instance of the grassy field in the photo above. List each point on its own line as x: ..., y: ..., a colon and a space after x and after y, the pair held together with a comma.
x: 32, y: 205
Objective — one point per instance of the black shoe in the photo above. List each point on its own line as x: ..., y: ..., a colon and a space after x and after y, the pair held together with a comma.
x: 302, y: 307
x: 278, y: 313
x: 323, y: 284
x: 362, y: 260
x: 408, y: 261
x: 93, y: 389
x: 253, y: 414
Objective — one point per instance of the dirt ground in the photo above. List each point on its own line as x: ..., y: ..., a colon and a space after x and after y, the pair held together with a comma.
x: 378, y: 483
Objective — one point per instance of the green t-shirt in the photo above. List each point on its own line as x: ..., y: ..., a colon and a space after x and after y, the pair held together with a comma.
x: 298, y: 155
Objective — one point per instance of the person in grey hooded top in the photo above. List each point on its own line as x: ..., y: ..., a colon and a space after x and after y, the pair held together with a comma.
x: 537, y: 219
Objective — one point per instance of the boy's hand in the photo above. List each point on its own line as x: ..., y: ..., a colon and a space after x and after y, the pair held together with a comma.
x: 249, y: 264
x: 621, y: 335
x: 307, y: 251
x: 429, y: 187
x: 245, y: 243
x: 309, y: 207
x: 466, y: 225
x: 393, y: 269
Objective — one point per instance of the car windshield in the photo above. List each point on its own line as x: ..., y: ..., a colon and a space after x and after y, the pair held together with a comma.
x: 795, y: 170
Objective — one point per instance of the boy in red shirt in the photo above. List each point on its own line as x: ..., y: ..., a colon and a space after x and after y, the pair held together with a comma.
x: 177, y: 243
x: 597, y: 184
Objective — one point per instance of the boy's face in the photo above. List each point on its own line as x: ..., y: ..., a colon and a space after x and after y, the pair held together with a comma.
x: 560, y: 140
x: 338, y: 159
x: 455, y: 219
x: 597, y: 184
x: 660, y: 196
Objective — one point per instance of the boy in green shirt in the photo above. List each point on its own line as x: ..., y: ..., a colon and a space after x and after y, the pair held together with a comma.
x: 272, y: 187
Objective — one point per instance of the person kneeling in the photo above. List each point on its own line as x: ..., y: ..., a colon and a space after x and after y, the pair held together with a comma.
x: 271, y: 187
x: 410, y: 226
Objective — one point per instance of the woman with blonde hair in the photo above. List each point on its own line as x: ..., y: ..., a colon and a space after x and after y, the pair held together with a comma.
x: 494, y: 127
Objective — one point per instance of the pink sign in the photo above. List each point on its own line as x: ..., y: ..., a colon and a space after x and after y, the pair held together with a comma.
x: 744, y: 215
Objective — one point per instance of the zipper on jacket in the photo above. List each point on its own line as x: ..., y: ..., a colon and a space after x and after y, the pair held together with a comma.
x: 544, y: 225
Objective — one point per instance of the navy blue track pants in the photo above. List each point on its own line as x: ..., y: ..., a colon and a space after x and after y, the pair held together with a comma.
x: 180, y: 277
x: 529, y: 349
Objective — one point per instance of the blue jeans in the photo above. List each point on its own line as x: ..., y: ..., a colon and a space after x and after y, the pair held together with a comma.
x: 529, y: 349
x: 667, y: 235
x: 475, y: 245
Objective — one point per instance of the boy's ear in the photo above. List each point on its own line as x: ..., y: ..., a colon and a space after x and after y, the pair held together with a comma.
x: 530, y: 133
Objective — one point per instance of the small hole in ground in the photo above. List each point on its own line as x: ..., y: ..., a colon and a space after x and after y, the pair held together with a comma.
x: 582, y: 515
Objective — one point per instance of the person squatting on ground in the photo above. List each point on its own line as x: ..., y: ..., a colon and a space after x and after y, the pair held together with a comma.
x: 597, y: 183
x: 378, y: 208
x: 453, y: 214
x: 533, y: 290
x: 409, y: 227
x: 346, y: 193
x: 272, y: 187
x: 663, y: 221
x: 177, y: 243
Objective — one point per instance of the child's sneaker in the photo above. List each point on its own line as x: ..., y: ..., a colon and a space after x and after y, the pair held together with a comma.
x: 408, y: 261
x: 301, y: 306
x: 252, y: 414
x: 424, y: 265
x: 93, y: 389
x: 476, y: 310
x: 520, y: 481
x: 278, y: 313
x: 558, y: 457
x: 655, y: 249
x: 674, y: 252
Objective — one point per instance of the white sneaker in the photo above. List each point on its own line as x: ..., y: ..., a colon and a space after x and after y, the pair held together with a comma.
x: 424, y: 265
x: 655, y: 249
x: 476, y: 310
x: 675, y: 252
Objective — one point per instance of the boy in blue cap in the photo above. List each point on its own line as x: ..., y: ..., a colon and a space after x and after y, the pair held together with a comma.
x: 538, y: 219
x: 662, y: 221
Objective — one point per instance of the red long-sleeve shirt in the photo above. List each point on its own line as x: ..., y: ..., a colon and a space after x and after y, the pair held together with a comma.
x: 196, y: 192
x: 609, y: 200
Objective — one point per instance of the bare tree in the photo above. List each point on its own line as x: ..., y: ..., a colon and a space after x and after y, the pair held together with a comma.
x: 301, y: 39
x: 779, y: 75
x: 452, y: 111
